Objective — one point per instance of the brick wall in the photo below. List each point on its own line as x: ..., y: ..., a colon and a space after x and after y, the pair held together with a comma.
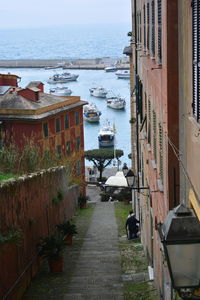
x: 30, y: 203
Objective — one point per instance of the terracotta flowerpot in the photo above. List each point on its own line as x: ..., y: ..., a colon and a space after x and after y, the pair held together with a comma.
x: 56, y: 265
x: 126, y: 201
x: 82, y: 206
x: 68, y: 240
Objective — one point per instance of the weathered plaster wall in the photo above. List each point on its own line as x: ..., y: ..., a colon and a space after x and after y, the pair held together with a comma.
x: 29, y: 204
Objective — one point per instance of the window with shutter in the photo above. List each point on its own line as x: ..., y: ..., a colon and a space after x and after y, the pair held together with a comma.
x: 139, y: 92
x: 154, y: 136
x: 196, y: 58
x: 159, y: 31
x: 153, y: 28
x: 148, y: 24
x: 149, y: 121
x: 144, y: 15
x: 161, y: 150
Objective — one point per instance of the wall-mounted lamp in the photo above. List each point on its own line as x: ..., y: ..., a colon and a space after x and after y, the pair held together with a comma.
x: 180, y: 235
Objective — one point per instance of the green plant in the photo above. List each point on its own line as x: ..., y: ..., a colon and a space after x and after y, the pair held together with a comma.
x: 52, y: 247
x: 82, y: 200
x: 67, y: 228
x: 13, y: 236
x: 132, y: 120
x: 104, y: 197
x: 58, y: 198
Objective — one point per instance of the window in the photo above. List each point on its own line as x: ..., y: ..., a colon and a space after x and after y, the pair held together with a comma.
x: 78, y: 168
x: 149, y: 122
x: 58, y: 151
x: 57, y: 125
x: 196, y: 59
x: 144, y: 14
x: 154, y: 136
x: 159, y: 31
x: 66, y: 121
x: 77, y: 118
x: 139, y: 92
x: 68, y: 148
x: 45, y: 130
x: 161, y: 150
x: 78, y: 143
x: 152, y: 28
x: 148, y: 19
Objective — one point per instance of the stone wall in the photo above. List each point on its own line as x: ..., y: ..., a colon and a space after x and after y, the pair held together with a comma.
x: 32, y: 205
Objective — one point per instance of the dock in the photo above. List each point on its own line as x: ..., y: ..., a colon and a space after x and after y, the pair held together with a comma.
x: 90, y: 64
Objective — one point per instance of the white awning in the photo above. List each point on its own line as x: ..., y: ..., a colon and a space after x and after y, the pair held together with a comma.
x: 117, y: 180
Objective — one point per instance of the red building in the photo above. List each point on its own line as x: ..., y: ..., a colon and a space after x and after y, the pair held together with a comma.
x: 52, y: 122
x: 155, y: 130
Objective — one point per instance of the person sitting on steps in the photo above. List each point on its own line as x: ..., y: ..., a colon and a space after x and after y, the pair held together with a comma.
x: 131, y: 224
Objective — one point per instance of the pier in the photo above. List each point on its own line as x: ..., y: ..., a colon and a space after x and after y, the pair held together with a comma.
x: 90, y: 64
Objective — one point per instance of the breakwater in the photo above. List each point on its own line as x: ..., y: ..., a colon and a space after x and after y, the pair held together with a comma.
x: 92, y: 64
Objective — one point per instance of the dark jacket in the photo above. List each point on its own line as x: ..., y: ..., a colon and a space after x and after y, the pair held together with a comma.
x: 131, y: 223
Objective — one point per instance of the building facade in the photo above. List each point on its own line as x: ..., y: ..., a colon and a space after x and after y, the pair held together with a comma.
x: 155, y: 130
x: 54, y: 123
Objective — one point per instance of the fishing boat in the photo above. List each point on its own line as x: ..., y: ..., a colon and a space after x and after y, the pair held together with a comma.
x: 91, y: 113
x: 62, y: 78
x: 106, y: 136
x: 60, y: 91
x: 116, y: 102
x: 98, y: 92
x: 123, y: 74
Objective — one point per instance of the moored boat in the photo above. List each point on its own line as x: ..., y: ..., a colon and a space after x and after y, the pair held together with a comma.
x: 116, y: 102
x: 111, y: 68
x: 60, y: 91
x: 123, y: 74
x: 91, y: 113
x: 62, y: 78
x: 106, y: 136
x: 98, y: 92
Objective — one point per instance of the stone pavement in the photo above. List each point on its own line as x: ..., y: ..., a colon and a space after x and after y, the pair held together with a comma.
x: 92, y: 265
x: 97, y: 274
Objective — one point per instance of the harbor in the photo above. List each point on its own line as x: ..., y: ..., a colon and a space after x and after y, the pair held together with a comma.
x: 86, y: 80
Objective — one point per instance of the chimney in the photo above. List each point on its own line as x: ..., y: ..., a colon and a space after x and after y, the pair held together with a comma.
x: 30, y: 94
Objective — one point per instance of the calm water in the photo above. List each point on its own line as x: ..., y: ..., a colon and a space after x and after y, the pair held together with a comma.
x: 86, y: 80
x: 72, y: 41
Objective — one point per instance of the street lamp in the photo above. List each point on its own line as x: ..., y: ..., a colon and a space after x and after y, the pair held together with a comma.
x: 130, y: 178
x: 180, y: 235
x: 125, y: 169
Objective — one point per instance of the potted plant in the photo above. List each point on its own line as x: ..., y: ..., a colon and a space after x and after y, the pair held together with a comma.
x: 52, y: 248
x: 68, y: 230
x: 82, y: 200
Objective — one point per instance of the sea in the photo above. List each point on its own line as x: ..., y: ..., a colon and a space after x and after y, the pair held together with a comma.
x: 73, y: 42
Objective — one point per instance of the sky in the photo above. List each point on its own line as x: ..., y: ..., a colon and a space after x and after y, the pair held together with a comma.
x: 40, y: 13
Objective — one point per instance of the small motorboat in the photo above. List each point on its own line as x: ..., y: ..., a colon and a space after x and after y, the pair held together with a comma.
x: 116, y: 102
x: 62, y: 78
x: 91, y: 113
x: 98, y: 92
x: 123, y: 74
x: 111, y: 68
x: 106, y: 136
x: 60, y: 91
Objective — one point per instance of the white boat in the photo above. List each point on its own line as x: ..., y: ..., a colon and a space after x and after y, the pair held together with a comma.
x: 98, y: 92
x: 106, y: 136
x: 62, y: 78
x: 91, y: 113
x: 60, y: 91
x: 116, y: 102
x: 111, y: 68
x: 123, y: 74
